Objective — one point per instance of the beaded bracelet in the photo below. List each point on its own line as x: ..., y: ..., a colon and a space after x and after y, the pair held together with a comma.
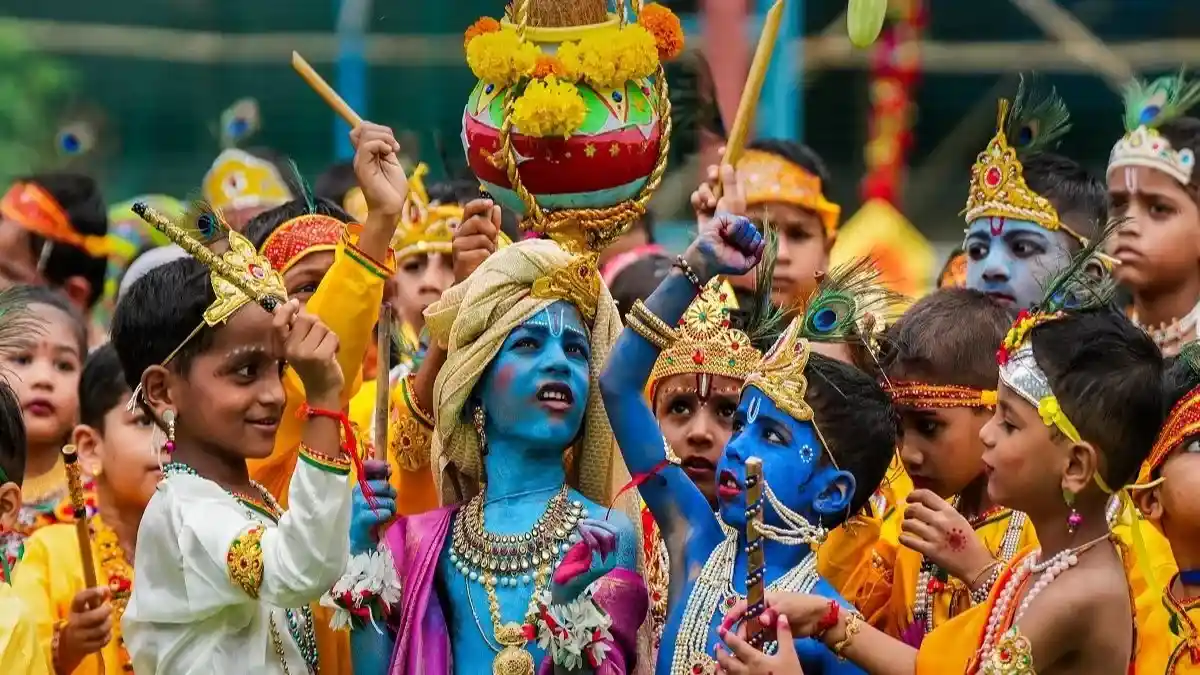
x: 688, y: 272
x: 852, y: 628
x: 979, y: 594
x: 651, y: 323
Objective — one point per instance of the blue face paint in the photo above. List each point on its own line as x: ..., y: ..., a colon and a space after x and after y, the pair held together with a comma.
x: 536, y: 389
x: 1010, y: 260
x: 791, y: 454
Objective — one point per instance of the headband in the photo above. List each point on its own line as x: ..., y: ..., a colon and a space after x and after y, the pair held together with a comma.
x: 767, y: 177
x: 35, y: 210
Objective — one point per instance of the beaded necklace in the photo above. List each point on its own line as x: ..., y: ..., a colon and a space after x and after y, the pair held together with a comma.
x: 933, y: 580
x: 119, y: 577
x: 264, y: 509
x: 714, y: 585
x: 1175, y: 332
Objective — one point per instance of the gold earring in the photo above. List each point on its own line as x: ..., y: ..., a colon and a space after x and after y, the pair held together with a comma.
x: 99, y: 470
x: 479, y: 418
x: 169, y: 419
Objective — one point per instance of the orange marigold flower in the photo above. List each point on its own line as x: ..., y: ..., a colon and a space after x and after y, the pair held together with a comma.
x: 662, y: 23
x: 485, y: 25
x: 547, y: 65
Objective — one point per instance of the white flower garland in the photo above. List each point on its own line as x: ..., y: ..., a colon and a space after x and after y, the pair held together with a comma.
x: 366, y: 592
x: 575, y: 633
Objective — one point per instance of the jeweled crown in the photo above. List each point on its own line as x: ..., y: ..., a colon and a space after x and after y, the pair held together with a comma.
x: 1147, y: 148
x: 578, y: 283
x: 780, y: 375
x: 998, y: 187
x: 425, y: 228
x: 705, y: 342
x: 254, y: 270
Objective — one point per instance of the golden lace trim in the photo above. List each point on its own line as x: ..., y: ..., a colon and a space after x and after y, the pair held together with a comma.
x: 1013, y: 655
x: 244, y: 561
x: 411, y: 442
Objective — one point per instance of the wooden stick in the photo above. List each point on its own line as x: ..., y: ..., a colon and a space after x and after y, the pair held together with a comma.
x: 748, y: 105
x: 383, y: 381
x: 325, y: 91
x: 82, y: 529
x: 755, y: 561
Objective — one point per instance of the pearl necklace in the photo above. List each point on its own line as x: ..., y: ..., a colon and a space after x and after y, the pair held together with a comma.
x: 715, y: 584
x: 1030, y: 565
x: 1173, y: 332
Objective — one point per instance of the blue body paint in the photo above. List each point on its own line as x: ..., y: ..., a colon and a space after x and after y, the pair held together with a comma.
x: 688, y: 524
x: 526, y: 440
x: 1011, y: 259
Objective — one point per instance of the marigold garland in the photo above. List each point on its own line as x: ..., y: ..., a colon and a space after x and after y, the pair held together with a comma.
x: 549, y: 108
x: 501, y: 58
x: 666, y: 29
x: 548, y: 65
x: 485, y: 25
x: 608, y: 58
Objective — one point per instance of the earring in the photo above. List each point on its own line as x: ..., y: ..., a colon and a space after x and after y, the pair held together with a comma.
x: 99, y: 470
x: 479, y: 418
x: 169, y: 419
x: 1074, y: 520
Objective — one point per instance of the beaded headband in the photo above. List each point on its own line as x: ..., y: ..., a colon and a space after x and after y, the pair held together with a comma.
x: 1145, y: 147
x: 704, y: 341
x: 1182, y: 423
x: 1020, y: 372
x: 767, y: 177
x: 300, y: 236
x: 239, y: 180
x: 922, y: 395
x: 35, y: 210
x: 1148, y: 106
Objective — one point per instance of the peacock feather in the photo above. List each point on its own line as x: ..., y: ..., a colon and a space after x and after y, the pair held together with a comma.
x: 1164, y: 99
x: 1086, y: 282
x: 301, y: 185
x: 848, y: 304
x: 1038, y: 118
x: 204, y: 223
x: 240, y: 122
x: 1190, y: 354
x: 764, y: 321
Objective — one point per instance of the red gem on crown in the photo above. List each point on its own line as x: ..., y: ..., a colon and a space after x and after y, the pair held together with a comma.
x: 992, y: 177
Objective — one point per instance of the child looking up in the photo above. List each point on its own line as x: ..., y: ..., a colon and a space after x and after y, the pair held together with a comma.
x: 223, y: 578
x: 121, y: 449
x: 45, y: 377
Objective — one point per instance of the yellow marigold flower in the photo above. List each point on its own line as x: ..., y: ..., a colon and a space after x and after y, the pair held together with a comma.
x: 549, y: 108
x: 609, y: 58
x: 662, y: 23
x: 485, y: 25
x: 501, y: 58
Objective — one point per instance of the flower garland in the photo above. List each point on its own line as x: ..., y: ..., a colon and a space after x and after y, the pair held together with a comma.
x: 574, y: 634
x: 366, y: 592
x: 606, y: 58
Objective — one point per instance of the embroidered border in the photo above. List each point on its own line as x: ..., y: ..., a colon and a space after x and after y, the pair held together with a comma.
x: 336, y: 465
x: 244, y: 561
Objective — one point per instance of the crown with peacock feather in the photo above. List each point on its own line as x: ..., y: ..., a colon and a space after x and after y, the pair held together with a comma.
x: 1147, y: 107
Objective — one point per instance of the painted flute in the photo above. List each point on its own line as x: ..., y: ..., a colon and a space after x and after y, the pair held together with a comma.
x: 755, y: 562
x: 82, y: 527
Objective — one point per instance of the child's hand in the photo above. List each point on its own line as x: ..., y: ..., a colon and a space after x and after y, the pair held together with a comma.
x: 88, y: 628
x: 733, y: 197
x: 739, y: 658
x: 378, y: 170
x: 475, y: 237
x: 936, y: 530
x: 310, y: 348
x: 365, y: 521
x: 579, y: 569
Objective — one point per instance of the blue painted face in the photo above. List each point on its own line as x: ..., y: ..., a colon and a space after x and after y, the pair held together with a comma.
x: 535, y: 390
x: 792, y: 459
x: 1011, y: 259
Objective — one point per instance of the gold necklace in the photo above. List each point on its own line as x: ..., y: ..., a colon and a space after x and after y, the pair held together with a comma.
x: 118, y: 574
x: 40, y: 488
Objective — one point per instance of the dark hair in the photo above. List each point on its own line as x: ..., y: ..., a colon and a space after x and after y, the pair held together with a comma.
x: 102, y: 386
x: 335, y: 182
x: 158, y: 313
x: 80, y: 198
x: 455, y: 191
x: 1080, y: 197
x: 797, y: 153
x: 41, y: 295
x: 858, y: 421
x: 1184, y: 132
x: 948, y: 337
x: 262, y: 225
x: 1107, y: 374
x: 638, y: 280
x: 12, y: 436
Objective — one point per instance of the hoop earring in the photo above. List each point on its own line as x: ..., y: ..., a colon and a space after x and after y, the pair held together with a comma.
x: 169, y: 419
x: 1074, y: 520
x: 479, y: 418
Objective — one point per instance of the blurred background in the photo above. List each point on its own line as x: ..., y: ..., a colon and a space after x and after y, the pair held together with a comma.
x: 135, y: 91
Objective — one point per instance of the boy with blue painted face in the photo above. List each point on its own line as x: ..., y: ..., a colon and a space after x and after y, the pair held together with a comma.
x: 823, y: 430
x: 1028, y: 210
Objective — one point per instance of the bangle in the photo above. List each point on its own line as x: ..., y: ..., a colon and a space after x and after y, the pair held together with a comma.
x: 982, y: 573
x: 980, y: 595
x: 852, y: 628
x: 648, y: 334
x: 688, y: 272
x: 55, y: 643
x: 832, y: 615
x: 651, y: 324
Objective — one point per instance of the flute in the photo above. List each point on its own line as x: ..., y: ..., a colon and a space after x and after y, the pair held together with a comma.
x: 82, y: 528
x: 755, y: 561
x: 383, y: 381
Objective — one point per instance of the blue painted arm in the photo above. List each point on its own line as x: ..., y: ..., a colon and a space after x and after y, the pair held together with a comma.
x: 672, y: 497
x: 370, y: 650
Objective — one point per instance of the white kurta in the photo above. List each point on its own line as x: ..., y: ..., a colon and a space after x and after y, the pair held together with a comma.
x: 188, y: 617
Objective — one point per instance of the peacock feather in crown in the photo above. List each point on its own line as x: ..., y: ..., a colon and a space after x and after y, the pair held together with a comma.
x: 1147, y: 107
x: 1036, y: 120
x: 569, y: 125
x: 706, y: 343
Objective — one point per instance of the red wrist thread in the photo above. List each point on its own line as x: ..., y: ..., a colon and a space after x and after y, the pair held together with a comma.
x: 349, y: 446
x: 827, y: 622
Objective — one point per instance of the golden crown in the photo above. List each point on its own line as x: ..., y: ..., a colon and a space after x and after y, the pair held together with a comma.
x: 705, y: 343
x: 1147, y: 148
x: 424, y: 228
x: 578, y: 283
x: 780, y: 375
x: 998, y: 188
x: 253, y: 271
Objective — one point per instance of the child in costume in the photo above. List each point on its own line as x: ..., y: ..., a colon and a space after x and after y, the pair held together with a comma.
x: 1073, y: 371
x: 119, y: 447
x: 1153, y: 185
x: 45, y: 375
x: 242, y: 184
x: 941, y: 372
x: 1028, y: 210
x: 20, y: 650
x: 824, y: 431
x: 54, y: 232
x: 223, y: 578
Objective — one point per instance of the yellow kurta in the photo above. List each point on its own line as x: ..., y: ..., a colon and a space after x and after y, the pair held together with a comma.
x: 20, y: 651
x: 1164, y: 635
x: 411, y: 441
x: 1151, y: 564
